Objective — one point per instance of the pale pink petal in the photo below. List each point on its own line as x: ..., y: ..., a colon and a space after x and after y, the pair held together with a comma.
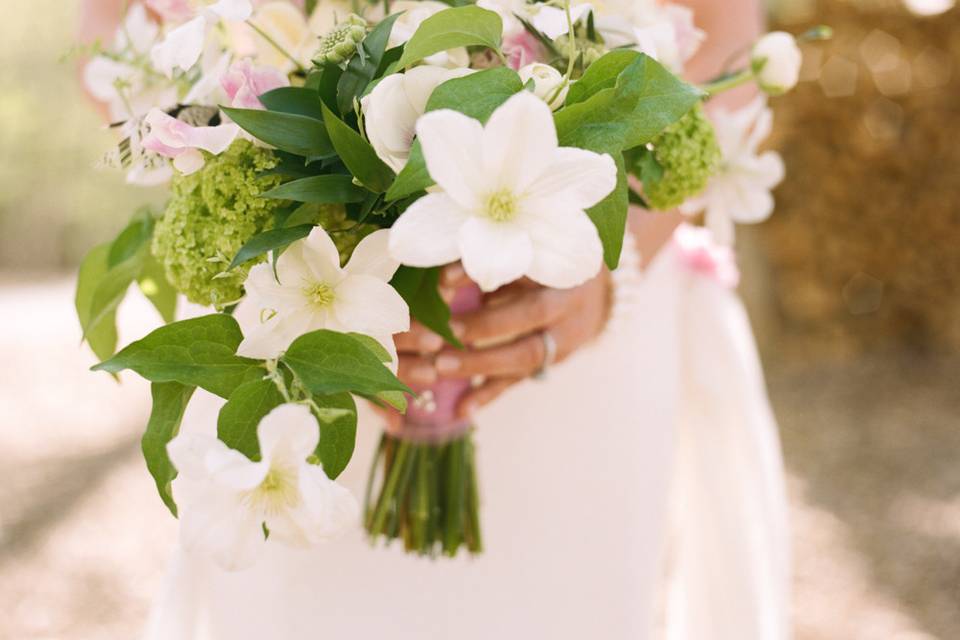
x: 181, y: 48
x: 245, y: 83
x: 426, y: 233
x: 494, y: 253
x: 188, y: 161
x: 232, y: 10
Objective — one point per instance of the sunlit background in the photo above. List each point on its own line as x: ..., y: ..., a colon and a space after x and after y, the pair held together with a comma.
x: 852, y: 286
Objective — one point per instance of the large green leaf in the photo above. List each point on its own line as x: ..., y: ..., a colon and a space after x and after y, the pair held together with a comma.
x: 290, y: 132
x: 158, y: 290
x: 325, y: 189
x: 169, y: 403
x: 197, y: 352
x: 477, y: 95
x: 645, y: 100
x: 420, y: 289
x: 450, y: 29
x: 268, y: 241
x: 610, y: 216
x: 327, y: 362
x: 600, y: 75
x: 362, y: 69
x: 338, y: 436
x: 102, y: 335
x: 240, y: 416
x: 299, y: 100
x: 357, y: 154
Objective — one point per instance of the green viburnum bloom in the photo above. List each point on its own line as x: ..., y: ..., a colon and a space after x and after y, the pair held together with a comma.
x: 211, y: 214
x: 688, y: 152
x: 340, y: 43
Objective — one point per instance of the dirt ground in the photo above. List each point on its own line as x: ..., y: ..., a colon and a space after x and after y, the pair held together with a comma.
x: 871, y: 448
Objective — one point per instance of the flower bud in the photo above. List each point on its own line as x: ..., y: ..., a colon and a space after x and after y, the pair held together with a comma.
x: 340, y: 43
x: 776, y: 60
x: 546, y: 83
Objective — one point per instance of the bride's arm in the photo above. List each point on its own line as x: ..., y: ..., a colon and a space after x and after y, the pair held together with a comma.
x: 731, y: 27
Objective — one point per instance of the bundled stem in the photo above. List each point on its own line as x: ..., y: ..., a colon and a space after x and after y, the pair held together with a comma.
x: 428, y: 496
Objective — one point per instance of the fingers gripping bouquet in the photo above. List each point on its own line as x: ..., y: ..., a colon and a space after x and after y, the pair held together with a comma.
x: 324, y: 162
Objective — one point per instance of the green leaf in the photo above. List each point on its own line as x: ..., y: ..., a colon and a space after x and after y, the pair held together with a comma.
x: 610, y: 216
x: 268, y: 241
x: 289, y: 132
x: 297, y: 100
x: 357, y: 154
x: 378, y: 349
x: 420, y: 289
x: 112, y: 288
x: 132, y: 239
x: 338, y: 436
x: 450, y: 29
x: 395, y: 399
x: 169, y: 403
x: 102, y: 335
x: 477, y: 95
x: 325, y: 189
x: 240, y: 416
x: 329, y: 79
x: 361, y: 70
x: 602, y: 74
x: 158, y: 290
x: 645, y: 100
x: 198, y: 352
x: 327, y: 362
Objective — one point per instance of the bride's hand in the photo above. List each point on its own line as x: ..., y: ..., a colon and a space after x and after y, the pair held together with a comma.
x: 504, y: 338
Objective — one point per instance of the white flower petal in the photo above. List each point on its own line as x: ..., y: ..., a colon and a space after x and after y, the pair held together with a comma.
x: 188, y: 453
x: 566, y: 247
x: 321, y: 256
x: 450, y: 142
x: 577, y: 178
x: 189, y: 161
x: 269, y: 339
x: 216, y: 524
x: 368, y: 305
x: 232, y: 10
x: 494, y: 253
x: 519, y: 141
x: 181, y: 48
x: 372, y: 257
x: 263, y: 289
x: 288, y: 434
x: 426, y: 234
x: 233, y: 471
x: 325, y: 511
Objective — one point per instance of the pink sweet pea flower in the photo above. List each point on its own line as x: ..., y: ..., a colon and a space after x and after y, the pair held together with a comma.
x: 245, y: 83
x: 171, y: 10
x: 700, y: 253
x: 182, y: 143
x: 521, y: 49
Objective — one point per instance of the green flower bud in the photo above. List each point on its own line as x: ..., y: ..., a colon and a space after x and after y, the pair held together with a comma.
x: 688, y: 152
x: 211, y: 214
x: 340, y: 43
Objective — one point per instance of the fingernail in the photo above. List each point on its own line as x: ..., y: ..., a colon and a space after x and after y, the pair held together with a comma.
x: 431, y: 342
x: 424, y: 374
x: 453, y: 273
x: 448, y: 364
x: 448, y: 294
x: 458, y: 329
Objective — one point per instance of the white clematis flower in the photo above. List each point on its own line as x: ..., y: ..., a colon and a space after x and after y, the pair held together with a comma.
x: 225, y: 500
x: 550, y: 21
x: 510, y: 203
x: 181, y: 48
x: 776, y: 60
x: 663, y: 31
x: 391, y: 110
x: 311, y: 292
x: 740, y: 191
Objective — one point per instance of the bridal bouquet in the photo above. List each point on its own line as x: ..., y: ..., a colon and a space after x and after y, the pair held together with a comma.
x: 324, y: 160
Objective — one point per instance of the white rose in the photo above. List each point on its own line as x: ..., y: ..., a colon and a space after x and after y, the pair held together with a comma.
x: 391, y: 110
x: 776, y: 60
x: 546, y: 81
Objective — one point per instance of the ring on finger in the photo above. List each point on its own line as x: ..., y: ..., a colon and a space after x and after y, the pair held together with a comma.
x: 549, y: 355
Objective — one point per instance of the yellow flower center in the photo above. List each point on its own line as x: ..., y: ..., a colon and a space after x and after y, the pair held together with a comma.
x: 276, y: 493
x: 501, y: 205
x: 320, y: 294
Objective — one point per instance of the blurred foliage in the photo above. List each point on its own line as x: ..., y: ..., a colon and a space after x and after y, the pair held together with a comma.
x: 864, y: 243
x: 54, y: 203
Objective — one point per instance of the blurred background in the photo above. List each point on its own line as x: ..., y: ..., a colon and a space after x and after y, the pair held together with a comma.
x: 852, y: 287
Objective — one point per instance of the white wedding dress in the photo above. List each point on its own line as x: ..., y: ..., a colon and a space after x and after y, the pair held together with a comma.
x: 577, y: 475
